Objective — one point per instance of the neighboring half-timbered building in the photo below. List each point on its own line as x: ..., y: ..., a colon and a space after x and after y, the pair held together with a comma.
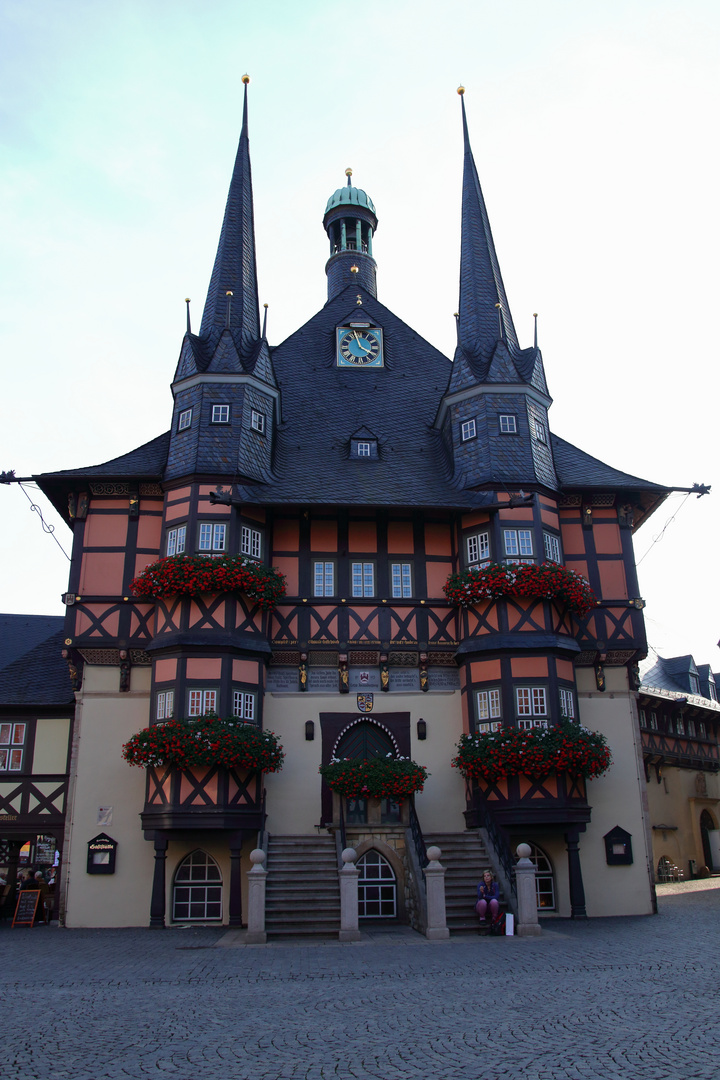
x: 367, y: 467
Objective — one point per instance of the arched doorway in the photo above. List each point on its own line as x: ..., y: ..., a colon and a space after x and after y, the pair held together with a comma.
x: 365, y: 740
x: 197, y: 889
x: 707, y: 825
x: 377, y: 887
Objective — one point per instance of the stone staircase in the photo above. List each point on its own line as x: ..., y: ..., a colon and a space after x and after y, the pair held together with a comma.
x: 465, y: 858
x: 303, y: 891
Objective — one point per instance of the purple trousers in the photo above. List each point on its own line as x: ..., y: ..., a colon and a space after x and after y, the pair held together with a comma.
x: 482, y: 905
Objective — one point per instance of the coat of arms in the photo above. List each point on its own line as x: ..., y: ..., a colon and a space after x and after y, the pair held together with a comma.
x: 364, y: 703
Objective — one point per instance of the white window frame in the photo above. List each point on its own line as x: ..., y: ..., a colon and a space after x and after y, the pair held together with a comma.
x: 531, y: 701
x: 220, y: 414
x: 468, y: 430
x: 13, y: 752
x: 539, y: 722
x: 679, y: 725
x: 508, y: 423
x: 165, y: 705
x: 212, y: 536
x: 653, y: 720
x: 176, y: 540
x: 250, y: 542
x: 488, y: 705
x: 567, y: 704
x: 201, y: 702
x: 539, y: 430
x: 477, y: 548
x: 362, y: 578
x: 244, y: 705
x: 323, y: 578
x: 691, y: 729
x: 702, y: 730
x: 551, y: 544
x: 185, y: 419
x: 363, y: 449
x: 257, y: 421
x: 518, y: 544
x: 401, y: 580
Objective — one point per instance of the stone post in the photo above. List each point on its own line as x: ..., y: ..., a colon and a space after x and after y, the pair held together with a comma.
x: 349, y: 929
x: 527, y: 916
x: 256, y: 899
x: 435, y: 887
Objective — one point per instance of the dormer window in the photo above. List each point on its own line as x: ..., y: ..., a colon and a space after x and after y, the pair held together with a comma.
x: 467, y: 430
x: 220, y: 414
x: 257, y: 421
x: 364, y: 448
x: 694, y: 683
x: 539, y: 429
x: 508, y: 424
x: 184, y: 419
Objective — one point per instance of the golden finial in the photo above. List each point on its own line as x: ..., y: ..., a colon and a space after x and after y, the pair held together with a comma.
x: 348, y: 172
x: 229, y: 293
x: 461, y: 90
x: 354, y: 269
x: 246, y: 79
x: 498, y: 305
x: 187, y: 299
x: 265, y: 305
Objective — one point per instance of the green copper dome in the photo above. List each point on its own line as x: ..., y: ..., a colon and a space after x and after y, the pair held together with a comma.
x: 350, y: 196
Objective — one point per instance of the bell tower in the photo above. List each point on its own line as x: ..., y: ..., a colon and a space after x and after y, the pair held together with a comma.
x: 350, y: 222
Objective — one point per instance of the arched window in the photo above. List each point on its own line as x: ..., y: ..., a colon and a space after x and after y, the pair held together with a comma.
x: 377, y: 887
x: 544, y: 879
x: 197, y: 889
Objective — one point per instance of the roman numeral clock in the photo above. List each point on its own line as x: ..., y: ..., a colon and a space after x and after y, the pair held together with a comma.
x: 359, y: 345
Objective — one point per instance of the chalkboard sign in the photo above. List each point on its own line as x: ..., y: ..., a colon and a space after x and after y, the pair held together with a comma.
x: 26, y: 907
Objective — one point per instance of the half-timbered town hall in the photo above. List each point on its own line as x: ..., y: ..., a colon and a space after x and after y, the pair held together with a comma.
x: 367, y: 468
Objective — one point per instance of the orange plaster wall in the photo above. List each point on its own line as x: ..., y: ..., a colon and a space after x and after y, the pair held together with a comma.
x: 102, y: 572
x: 520, y: 513
x: 565, y: 670
x: 612, y: 580
x: 245, y: 671
x: 286, y: 535
x: 106, y: 530
x: 362, y: 536
x: 485, y: 671
x: 550, y: 517
x: 141, y: 561
x: 165, y: 670
x: 204, y: 667
x: 135, y: 622
x: 572, y: 537
x: 288, y: 565
x: 437, y: 575
x: 110, y: 504
x: 149, y: 532
x: 323, y: 536
x: 179, y: 493
x: 527, y: 667
x: 292, y: 623
x: 206, y: 507
x: 109, y: 624
x: 400, y: 537
x: 180, y: 510
x: 579, y: 565
x: 607, y: 539
x: 438, y: 539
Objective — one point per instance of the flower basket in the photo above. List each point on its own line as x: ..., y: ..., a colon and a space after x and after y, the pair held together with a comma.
x: 548, y: 581
x: 192, y: 575
x: 568, y: 747
x: 209, y: 740
x: 378, y: 778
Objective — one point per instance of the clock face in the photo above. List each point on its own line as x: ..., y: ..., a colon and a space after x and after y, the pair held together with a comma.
x: 359, y: 346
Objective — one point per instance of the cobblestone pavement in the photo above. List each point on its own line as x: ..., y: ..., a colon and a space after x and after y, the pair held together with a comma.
x: 633, y: 997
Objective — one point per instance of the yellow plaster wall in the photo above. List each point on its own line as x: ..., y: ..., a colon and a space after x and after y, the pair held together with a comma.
x: 294, y: 794
x: 618, y: 798
x: 678, y: 801
x: 51, y: 745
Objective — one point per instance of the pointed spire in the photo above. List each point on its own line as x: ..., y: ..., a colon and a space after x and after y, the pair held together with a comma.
x: 235, y: 272
x: 484, y: 310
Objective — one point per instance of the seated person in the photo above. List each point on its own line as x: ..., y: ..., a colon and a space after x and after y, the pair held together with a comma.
x: 488, y: 897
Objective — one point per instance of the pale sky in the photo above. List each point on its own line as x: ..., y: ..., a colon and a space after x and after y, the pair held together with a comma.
x: 594, y: 128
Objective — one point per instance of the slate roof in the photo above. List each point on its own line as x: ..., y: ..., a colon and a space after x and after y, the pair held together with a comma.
x: 323, y: 406
x: 33, y: 672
